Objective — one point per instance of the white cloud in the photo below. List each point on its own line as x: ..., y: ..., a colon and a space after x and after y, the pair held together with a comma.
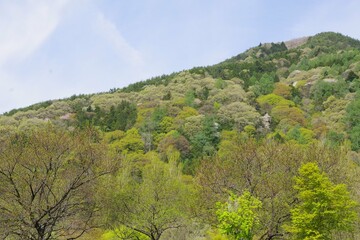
x: 109, y: 31
x: 335, y: 15
x: 25, y: 25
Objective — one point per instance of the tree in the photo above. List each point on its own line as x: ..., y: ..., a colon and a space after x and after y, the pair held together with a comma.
x: 47, y: 179
x: 175, y: 140
x: 290, y: 115
x: 321, y: 90
x: 323, y: 206
x: 151, y: 202
x: 264, y: 168
x: 264, y: 86
x: 283, y: 90
x: 121, y: 117
x: 354, y: 135
x: 237, y: 217
x: 267, y: 102
x: 238, y: 114
x: 131, y: 142
x: 352, y: 118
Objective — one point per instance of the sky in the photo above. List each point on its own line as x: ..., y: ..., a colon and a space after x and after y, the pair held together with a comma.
x: 52, y: 49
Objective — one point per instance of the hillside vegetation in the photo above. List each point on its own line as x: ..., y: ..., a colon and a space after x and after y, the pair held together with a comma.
x: 264, y: 145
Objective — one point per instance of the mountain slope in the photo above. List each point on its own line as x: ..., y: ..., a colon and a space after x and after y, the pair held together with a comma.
x: 304, y: 89
x: 178, y: 145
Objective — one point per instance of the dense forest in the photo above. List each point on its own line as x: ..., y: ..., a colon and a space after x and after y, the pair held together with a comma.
x: 264, y: 145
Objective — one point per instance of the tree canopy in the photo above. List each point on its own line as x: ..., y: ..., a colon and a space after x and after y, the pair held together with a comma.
x: 324, y: 207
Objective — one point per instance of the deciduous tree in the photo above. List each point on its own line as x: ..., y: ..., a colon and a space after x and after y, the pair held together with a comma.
x: 323, y: 207
x: 238, y: 216
x: 47, y: 178
x: 150, y: 203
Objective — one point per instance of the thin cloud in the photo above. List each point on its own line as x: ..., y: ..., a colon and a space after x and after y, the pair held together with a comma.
x: 26, y: 25
x: 110, y: 32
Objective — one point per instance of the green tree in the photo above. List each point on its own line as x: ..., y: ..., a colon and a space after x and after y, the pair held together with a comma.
x: 264, y: 86
x: 352, y: 118
x: 354, y: 135
x: 189, y: 98
x: 238, y: 115
x: 324, y: 207
x: 131, y: 142
x: 47, y: 183
x: 175, y: 140
x: 152, y: 202
x: 238, y: 217
x: 121, y: 117
x: 321, y: 90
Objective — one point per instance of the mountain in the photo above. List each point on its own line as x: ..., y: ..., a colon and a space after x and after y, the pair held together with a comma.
x: 317, y: 77
x: 244, y: 130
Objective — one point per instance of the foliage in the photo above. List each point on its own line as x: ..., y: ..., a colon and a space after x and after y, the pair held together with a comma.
x: 322, y: 90
x: 333, y: 41
x: 267, y: 102
x: 238, y: 115
x: 283, y: 90
x: 292, y: 115
x: 131, y: 142
x: 136, y: 87
x: 352, y: 118
x: 300, y: 134
x: 47, y: 183
x: 122, y: 233
x: 207, y: 122
x: 35, y: 107
x: 174, y: 140
x: 151, y: 203
x: 265, y: 168
x: 238, y: 216
x: 323, y: 206
x: 265, y: 85
x: 121, y: 117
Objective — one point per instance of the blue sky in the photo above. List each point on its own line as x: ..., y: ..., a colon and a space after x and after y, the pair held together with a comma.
x: 54, y: 49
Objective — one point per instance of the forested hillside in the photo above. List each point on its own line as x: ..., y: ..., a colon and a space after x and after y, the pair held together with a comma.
x: 264, y: 145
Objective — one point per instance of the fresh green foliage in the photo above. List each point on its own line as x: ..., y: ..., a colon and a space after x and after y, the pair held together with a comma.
x: 322, y: 90
x: 47, y: 180
x: 131, y: 142
x: 120, y: 117
x: 35, y: 107
x: 333, y: 41
x: 265, y: 85
x: 247, y: 123
x: 151, y: 202
x: 301, y: 135
x: 272, y: 100
x: 238, y: 115
x: 238, y: 216
x: 352, y: 117
x: 161, y: 80
x: 324, y: 207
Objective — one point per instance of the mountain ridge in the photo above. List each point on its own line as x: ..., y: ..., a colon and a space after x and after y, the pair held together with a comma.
x: 331, y: 38
x: 325, y: 65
